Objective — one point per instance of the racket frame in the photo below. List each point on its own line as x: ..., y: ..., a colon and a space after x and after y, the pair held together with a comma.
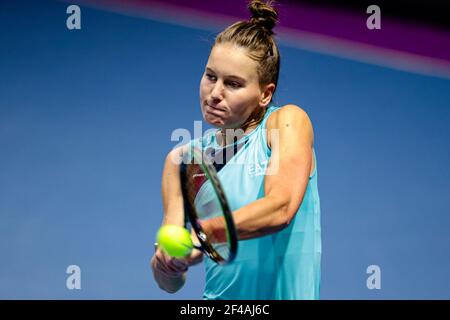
x: 199, y: 158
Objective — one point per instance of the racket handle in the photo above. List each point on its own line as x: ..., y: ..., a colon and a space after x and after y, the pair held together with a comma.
x: 198, y: 247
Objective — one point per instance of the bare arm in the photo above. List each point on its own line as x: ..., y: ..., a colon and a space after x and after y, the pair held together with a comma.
x: 170, y: 273
x: 284, y: 188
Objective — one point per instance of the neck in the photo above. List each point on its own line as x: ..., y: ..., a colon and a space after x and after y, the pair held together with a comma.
x: 226, y: 136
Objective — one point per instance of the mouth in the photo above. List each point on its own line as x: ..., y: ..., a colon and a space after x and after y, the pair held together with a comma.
x: 214, y: 110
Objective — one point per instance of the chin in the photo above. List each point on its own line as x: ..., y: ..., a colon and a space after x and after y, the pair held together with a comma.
x: 214, y: 121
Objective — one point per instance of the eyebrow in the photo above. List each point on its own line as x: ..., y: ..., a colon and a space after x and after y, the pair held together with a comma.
x: 229, y: 76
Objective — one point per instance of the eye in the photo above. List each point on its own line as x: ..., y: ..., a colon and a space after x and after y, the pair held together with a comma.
x: 234, y: 84
x: 210, y: 77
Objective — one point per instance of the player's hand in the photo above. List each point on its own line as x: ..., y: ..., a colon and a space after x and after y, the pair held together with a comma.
x: 167, y: 265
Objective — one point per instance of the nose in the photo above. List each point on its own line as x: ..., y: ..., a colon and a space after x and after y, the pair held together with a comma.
x: 217, y: 92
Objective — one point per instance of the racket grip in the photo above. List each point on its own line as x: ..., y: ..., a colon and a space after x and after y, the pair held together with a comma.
x: 198, y: 247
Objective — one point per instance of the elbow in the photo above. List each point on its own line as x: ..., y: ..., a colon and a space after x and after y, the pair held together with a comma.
x: 287, y: 220
x: 286, y: 215
x: 282, y: 212
x: 289, y: 207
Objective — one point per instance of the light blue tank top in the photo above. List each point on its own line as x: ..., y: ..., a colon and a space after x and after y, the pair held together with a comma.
x: 283, y: 265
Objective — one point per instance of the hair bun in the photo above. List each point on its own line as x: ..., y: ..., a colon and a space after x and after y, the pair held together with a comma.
x: 263, y: 14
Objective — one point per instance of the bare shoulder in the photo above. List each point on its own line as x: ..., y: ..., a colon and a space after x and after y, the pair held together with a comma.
x: 290, y: 117
x: 287, y: 114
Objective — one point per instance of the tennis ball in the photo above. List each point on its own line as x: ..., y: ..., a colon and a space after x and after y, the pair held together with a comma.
x: 175, y: 240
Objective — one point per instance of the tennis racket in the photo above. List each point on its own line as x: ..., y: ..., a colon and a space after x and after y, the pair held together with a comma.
x: 205, y: 202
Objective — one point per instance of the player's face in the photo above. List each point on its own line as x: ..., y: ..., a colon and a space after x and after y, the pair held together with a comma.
x: 229, y: 89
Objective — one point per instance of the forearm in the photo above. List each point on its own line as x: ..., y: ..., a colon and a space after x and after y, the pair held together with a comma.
x: 259, y: 218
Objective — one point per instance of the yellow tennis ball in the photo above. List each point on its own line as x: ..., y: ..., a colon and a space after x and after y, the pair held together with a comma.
x: 175, y: 240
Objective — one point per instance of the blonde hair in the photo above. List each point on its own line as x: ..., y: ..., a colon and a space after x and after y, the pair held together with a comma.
x: 255, y: 35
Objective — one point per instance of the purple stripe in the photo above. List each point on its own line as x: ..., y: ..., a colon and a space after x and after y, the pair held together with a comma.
x: 350, y: 26
x: 341, y: 24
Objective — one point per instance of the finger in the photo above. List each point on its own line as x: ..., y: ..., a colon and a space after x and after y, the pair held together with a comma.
x: 167, y: 271
x: 181, y: 265
x: 164, y: 265
x: 172, y: 261
x: 177, y: 264
x: 160, y: 268
x: 172, y: 264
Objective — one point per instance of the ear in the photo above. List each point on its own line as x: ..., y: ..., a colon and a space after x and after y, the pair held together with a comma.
x: 266, y: 95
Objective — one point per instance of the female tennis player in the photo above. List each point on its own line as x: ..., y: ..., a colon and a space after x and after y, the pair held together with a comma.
x: 273, y: 193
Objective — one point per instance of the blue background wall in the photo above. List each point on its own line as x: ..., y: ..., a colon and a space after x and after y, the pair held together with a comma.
x: 86, y: 118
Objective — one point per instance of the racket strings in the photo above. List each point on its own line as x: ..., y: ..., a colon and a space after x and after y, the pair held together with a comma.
x: 205, y: 203
x: 204, y: 207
